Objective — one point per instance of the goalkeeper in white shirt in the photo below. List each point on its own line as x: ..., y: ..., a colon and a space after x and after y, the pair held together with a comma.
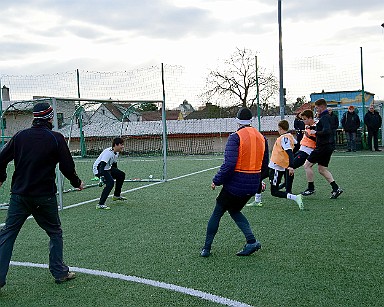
x: 105, y: 167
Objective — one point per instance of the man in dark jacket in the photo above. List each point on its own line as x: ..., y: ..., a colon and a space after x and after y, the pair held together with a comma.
x: 245, y: 159
x: 35, y: 152
x: 322, y: 152
x: 350, y: 123
x: 373, y: 121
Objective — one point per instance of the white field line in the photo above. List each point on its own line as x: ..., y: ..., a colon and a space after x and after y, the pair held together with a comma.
x: 357, y: 156
x: 189, y: 291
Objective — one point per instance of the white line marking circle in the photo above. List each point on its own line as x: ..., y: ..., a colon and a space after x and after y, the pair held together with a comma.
x: 189, y: 291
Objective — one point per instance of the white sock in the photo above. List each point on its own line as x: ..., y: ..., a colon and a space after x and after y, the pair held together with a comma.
x: 291, y: 196
x: 257, y: 198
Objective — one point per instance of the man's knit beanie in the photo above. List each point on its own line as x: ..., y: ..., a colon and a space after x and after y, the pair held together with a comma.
x: 42, y: 110
x: 244, y: 116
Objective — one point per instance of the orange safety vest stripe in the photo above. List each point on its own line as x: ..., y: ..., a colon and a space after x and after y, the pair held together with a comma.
x: 251, y: 151
x: 279, y: 156
x: 306, y: 141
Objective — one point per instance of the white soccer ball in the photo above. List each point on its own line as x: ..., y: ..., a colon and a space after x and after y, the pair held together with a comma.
x: 150, y: 176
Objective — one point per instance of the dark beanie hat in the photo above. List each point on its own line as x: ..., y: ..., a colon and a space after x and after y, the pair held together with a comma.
x: 42, y: 110
x: 244, y: 116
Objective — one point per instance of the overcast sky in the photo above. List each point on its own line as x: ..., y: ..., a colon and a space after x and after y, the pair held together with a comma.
x: 51, y: 36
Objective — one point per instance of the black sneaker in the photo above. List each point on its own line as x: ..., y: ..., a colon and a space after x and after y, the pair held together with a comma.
x: 205, y: 252
x: 336, y: 193
x: 308, y: 192
x: 67, y: 277
x: 249, y: 249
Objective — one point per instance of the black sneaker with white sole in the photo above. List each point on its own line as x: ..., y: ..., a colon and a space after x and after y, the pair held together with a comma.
x: 336, y: 193
x: 308, y: 192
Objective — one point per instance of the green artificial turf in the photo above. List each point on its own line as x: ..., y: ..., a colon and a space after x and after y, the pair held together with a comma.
x: 330, y: 254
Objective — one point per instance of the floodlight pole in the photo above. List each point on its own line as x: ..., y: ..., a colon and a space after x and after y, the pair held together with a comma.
x: 282, y: 104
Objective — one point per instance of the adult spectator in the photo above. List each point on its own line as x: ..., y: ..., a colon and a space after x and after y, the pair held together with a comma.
x: 350, y: 123
x: 373, y: 121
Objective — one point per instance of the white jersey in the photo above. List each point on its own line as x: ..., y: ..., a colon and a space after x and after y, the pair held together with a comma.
x: 108, y: 156
x: 306, y: 149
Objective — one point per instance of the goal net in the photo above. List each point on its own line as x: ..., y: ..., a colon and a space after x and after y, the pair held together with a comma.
x: 89, y: 126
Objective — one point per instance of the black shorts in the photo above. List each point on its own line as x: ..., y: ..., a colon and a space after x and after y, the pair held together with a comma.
x: 321, y: 155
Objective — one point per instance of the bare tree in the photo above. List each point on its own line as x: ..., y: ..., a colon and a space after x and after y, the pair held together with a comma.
x: 237, y: 80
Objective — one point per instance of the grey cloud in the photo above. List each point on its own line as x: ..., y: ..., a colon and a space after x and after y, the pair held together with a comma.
x: 321, y: 9
x: 16, y: 49
x: 357, y: 33
x: 158, y: 19
x: 62, y: 65
x: 83, y: 31
x: 256, y: 24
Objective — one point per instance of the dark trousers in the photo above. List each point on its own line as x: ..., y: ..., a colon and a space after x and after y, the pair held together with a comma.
x: 351, y: 140
x: 373, y: 134
x: 45, y: 212
x: 109, y: 176
x: 233, y: 204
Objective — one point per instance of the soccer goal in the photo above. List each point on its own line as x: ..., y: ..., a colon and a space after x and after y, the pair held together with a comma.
x: 90, y: 125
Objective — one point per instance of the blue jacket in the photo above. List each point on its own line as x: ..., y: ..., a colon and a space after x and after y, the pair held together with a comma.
x: 236, y: 183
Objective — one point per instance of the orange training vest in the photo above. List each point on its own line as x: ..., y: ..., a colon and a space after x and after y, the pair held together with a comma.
x: 279, y: 156
x: 251, y: 151
x: 306, y: 141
